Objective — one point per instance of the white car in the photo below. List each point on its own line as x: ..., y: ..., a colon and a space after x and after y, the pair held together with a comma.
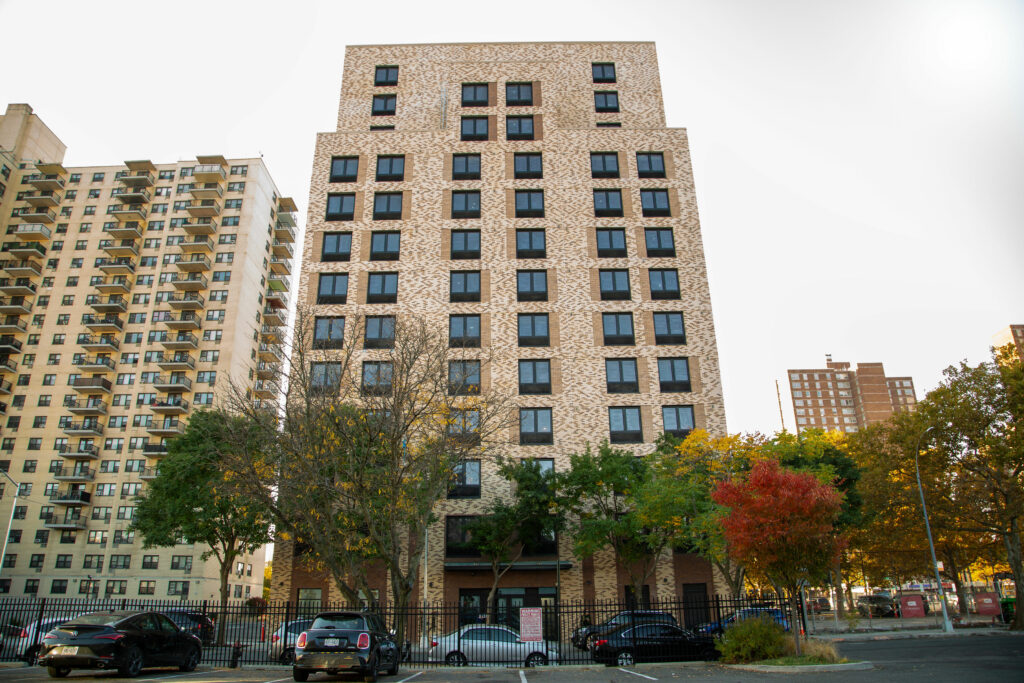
x: 482, y: 644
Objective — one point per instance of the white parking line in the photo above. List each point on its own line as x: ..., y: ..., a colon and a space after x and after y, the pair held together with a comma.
x: 522, y: 676
x: 280, y: 680
x: 650, y: 678
x: 418, y: 673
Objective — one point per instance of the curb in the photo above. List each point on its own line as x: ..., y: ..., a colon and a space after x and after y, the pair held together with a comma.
x: 810, y: 668
x: 911, y: 636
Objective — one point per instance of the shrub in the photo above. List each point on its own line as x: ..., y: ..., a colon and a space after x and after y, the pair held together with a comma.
x: 256, y: 605
x: 812, y: 650
x: 752, y: 640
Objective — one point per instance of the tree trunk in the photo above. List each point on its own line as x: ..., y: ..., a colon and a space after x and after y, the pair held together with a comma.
x: 1014, y: 559
x: 840, y: 606
x: 796, y: 622
x: 953, y: 571
x: 222, y: 618
x: 733, y: 575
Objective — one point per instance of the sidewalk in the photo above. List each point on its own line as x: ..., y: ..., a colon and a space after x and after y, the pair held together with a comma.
x: 900, y: 634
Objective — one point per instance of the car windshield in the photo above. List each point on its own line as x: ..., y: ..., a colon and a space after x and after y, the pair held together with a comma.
x: 97, y: 619
x: 339, y: 621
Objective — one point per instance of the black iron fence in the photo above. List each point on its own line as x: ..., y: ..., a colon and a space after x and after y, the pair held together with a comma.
x: 440, y: 634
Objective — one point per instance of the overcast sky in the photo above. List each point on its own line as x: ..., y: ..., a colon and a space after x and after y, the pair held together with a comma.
x: 859, y: 165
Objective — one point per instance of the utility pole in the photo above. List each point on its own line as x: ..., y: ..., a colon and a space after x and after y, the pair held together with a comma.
x: 778, y: 395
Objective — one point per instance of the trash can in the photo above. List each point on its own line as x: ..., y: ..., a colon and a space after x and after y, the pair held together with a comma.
x: 1008, y: 606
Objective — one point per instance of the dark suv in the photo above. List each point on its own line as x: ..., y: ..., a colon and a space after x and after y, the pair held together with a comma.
x: 877, y: 606
x: 584, y: 636
x: 345, y: 642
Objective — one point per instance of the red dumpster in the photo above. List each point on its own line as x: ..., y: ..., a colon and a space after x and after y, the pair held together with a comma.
x: 912, y: 605
x: 988, y: 603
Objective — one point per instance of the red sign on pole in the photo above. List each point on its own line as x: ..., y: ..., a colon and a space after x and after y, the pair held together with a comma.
x: 988, y: 603
x: 912, y: 606
x: 531, y: 624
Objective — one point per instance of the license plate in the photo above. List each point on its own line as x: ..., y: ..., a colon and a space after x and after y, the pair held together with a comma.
x: 332, y: 642
x: 68, y: 650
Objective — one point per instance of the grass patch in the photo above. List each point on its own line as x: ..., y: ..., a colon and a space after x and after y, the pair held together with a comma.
x: 813, y: 652
x: 802, y: 660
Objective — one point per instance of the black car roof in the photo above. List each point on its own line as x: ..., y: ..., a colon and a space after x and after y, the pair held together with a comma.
x: 345, y: 613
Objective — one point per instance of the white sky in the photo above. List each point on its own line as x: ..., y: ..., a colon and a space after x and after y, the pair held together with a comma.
x: 859, y: 165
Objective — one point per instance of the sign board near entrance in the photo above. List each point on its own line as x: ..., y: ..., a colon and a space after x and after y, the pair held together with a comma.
x: 531, y: 624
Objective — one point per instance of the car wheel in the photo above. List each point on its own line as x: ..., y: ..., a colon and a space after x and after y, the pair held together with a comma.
x: 455, y: 659
x: 191, y: 660
x: 300, y: 674
x: 287, y: 657
x: 31, y: 654
x: 131, y: 662
x: 624, y: 658
x: 536, y: 659
x: 371, y: 675
x: 58, y: 671
x: 393, y: 669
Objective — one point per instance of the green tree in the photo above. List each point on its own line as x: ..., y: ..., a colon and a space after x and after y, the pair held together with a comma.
x: 507, y: 530
x: 192, y: 498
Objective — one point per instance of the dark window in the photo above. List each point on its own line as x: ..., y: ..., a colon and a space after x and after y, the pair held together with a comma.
x: 650, y: 164
x: 604, y: 165
x: 528, y: 165
x: 618, y: 329
x: 380, y: 332
x: 664, y: 283
x: 463, y: 377
x: 535, y: 426
x: 668, y: 328
x: 466, y: 204
x: 603, y: 72
x: 386, y: 75
x: 611, y: 242
x: 337, y: 246
x: 518, y: 94
x: 392, y: 127
x: 674, y: 374
x: 465, y: 167
x: 534, y: 377
x: 329, y: 333
x: 382, y: 288
x: 529, y: 203
x: 606, y: 100
x: 519, y: 128
x: 465, y: 480
x: 624, y: 425
x: 385, y: 246
x: 678, y: 420
x: 376, y: 378
x: 341, y: 207
x: 531, y: 244
x: 465, y: 244
x: 533, y: 329
x: 321, y: 376
x: 465, y: 285
x: 387, y: 206
x: 475, y: 95
x: 333, y: 288
x: 384, y: 105
x: 464, y: 331
x: 532, y: 285
x: 660, y: 242
x: 390, y: 168
x: 474, y: 128
x: 457, y: 541
x: 344, y: 169
x: 655, y: 202
x: 614, y: 285
x: 609, y: 124
x: 621, y: 375
x: 607, y: 202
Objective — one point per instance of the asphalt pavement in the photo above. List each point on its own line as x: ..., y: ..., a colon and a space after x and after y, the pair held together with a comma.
x: 977, y: 659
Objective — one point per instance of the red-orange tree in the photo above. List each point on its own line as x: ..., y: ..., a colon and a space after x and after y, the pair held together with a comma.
x: 780, y: 524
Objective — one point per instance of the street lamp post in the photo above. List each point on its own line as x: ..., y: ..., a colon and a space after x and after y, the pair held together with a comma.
x: 10, y: 520
x: 947, y: 625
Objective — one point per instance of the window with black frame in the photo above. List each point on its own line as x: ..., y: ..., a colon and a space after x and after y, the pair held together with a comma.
x: 660, y: 242
x: 535, y: 376
x: 650, y: 164
x: 457, y: 539
x: 624, y: 425
x: 475, y: 95
x: 519, y: 128
x: 382, y: 288
x: 336, y: 246
x: 606, y: 101
x: 385, y: 246
x: 531, y: 285
x: 387, y: 206
x: 678, y: 420
x: 329, y: 332
x: 611, y: 242
x: 621, y: 376
x: 655, y: 203
x: 531, y: 243
x: 669, y: 329
x: 465, y: 480
x: 379, y: 332
x: 518, y: 94
x: 325, y: 376
x: 341, y: 207
x: 614, y: 284
x: 465, y: 203
x: 533, y: 329
x: 464, y: 331
x: 618, y: 329
x: 344, y: 169
x: 603, y: 72
x: 465, y: 244
x: 528, y: 165
x: 674, y: 374
x: 604, y: 165
x: 464, y: 377
x: 664, y: 283
x: 464, y: 285
x: 377, y: 376
x: 390, y: 168
x: 535, y: 426
x: 529, y: 203
x: 332, y: 288
x: 384, y: 105
x: 386, y: 75
x: 474, y: 128
x: 465, y: 167
x: 608, y: 203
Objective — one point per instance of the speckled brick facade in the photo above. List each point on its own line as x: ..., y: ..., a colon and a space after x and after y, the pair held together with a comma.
x: 427, y: 132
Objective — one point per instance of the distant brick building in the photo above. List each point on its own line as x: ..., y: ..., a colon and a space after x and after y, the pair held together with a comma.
x: 1012, y: 334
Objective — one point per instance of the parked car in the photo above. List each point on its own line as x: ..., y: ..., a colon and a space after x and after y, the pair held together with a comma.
x: 196, y: 623
x: 877, y: 606
x: 349, y: 642
x: 483, y: 644
x: 718, y: 627
x: 128, y: 641
x: 27, y: 642
x: 584, y: 636
x: 282, y: 641
x: 819, y: 605
x: 652, y: 643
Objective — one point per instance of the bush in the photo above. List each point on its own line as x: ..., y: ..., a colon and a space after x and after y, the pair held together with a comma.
x: 256, y: 605
x: 752, y: 640
x: 813, y: 650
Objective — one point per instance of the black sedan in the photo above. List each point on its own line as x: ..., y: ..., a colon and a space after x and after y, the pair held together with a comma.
x: 127, y: 641
x: 345, y: 642
x: 584, y: 636
x: 196, y: 623
x: 651, y: 643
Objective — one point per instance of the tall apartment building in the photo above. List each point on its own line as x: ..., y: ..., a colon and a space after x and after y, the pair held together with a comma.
x: 838, y: 398
x: 529, y: 199
x: 1012, y: 334
x: 129, y: 296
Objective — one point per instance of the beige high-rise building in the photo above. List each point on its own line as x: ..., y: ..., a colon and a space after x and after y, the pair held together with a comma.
x: 529, y: 199
x: 837, y: 397
x: 1012, y: 334
x: 130, y: 295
